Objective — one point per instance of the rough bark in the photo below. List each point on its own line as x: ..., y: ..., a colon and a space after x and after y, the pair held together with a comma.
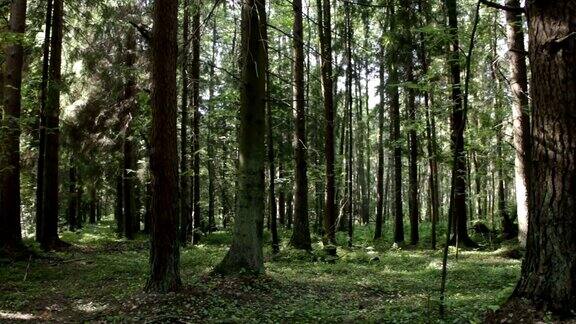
x: 301, y: 234
x: 520, y: 114
x: 549, y: 269
x: 11, y: 231
x: 245, y: 253
x: 164, y: 247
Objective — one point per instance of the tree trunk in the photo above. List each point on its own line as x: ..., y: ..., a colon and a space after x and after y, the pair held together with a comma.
x: 164, y: 247
x: 195, y: 74
x: 549, y: 270
x: 520, y: 113
x: 394, y: 98
x: 93, y: 201
x: 458, y: 124
x: 301, y: 233
x: 119, y: 206
x: 349, y: 73
x: 129, y: 163
x: 11, y: 231
x: 49, y: 217
x: 380, y: 171
x: 245, y: 253
x: 325, y: 32
x: 184, y: 120
x: 413, y: 203
x: 42, y: 122
x: 210, y: 148
x: 72, y: 197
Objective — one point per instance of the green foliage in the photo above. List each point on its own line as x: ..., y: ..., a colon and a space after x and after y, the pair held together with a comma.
x: 101, y: 279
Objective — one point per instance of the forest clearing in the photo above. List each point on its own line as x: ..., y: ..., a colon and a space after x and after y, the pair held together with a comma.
x: 287, y: 161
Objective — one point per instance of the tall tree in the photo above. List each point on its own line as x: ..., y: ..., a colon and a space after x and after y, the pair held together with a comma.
x: 164, y: 247
x: 458, y: 124
x: 129, y: 171
x: 394, y: 97
x: 380, y: 169
x: 349, y: 104
x: 520, y: 113
x: 195, y: 75
x: 49, y: 216
x: 11, y: 231
x: 325, y: 32
x: 301, y: 233
x: 245, y: 253
x: 184, y: 176
x: 549, y: 270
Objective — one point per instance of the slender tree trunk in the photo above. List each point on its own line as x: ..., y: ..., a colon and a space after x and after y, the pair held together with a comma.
x: 281, y: 196
x: 380, y: 172
x: 520, y: 113
x: 325, y: 32
x: 11, y: 231
x: 93, y: 200
x: 42, y: 121
x: 119, y: 206
x: 349, y: 74
x: 413, y: 203
x: 301, y: 233
x: 195, y: 74
x: 548, y: 277
x: 394, y: 98
x: 458, y: 124
x: 245, y: 253
x: 184, y: 120
x: 72, y: 197
x: 164, y: 247
x: 211, y: 153
x: 49, y: 215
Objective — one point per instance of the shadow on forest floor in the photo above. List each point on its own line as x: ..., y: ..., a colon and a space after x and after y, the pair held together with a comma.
x: 101, y: 279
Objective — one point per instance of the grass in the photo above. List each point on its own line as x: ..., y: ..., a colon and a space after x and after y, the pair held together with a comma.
x: 101, y: 279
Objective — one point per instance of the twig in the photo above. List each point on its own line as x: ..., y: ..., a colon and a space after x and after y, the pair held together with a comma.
x: 27, y: 268
x: 502, y: 7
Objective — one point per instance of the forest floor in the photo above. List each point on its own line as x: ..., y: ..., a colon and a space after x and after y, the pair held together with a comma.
x: 100, y: 279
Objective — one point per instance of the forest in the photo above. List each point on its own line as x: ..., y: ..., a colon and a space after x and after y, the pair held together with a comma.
x: 288, y: 161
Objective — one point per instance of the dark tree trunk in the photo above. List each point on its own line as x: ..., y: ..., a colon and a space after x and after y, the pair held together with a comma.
x: 520, y: 112
x: 458, y: 124
x: 380, y: 171
x: 394, y: 98
x: 413, y: 204
x: 289, y: 210
x: 548, y: 277
x: 301, y: 233
x: 42, y: 121
x: 11, y: 231
x: 184, y: 176
x: 129, y: 167
x: 325, y: 32
x: 93, y: 202
x: 349, y: 73
x: 246, y: 254
x: 197, y: 222
x: 49, y: 217
x: 281, y: 196
x: 73, y: 198
x: 119, y: 206
x: 210, y: 140
x: 148, y: 208
x: 164, y: 247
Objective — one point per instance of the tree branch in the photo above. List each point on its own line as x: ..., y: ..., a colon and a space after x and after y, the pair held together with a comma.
x: 144, y: 30
x: 502, y: 7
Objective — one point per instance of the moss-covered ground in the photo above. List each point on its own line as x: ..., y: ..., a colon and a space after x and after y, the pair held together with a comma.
x: 101, y: 278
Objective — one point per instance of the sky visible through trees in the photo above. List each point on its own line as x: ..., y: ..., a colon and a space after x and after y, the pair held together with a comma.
x: 287, y: 161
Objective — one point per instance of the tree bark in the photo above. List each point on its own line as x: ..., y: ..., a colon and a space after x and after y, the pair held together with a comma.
x: 301, y: 233
x: 380, y: 170
x: 245, y: 253
x: 325, y: 32
x: 49, y: 217
x: 548, y: 276
x: 197, y: 222
x: 129, y: 163
x: 11, y: 230
x: 520, y: 113
x: 164, y: 247
x: 184, y: 120
x: 349, y: 103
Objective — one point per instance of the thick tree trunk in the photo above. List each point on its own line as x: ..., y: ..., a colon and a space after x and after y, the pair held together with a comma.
x: 49, y: 217
x: 549, y: 270
x: 184, y: 120
x: 520, y: 113
x: 164, y: 247
x: 197, y: 222
x: 325, y: 32
x: 301, y: 233
x: 246, y: 254
x: 11, y: 231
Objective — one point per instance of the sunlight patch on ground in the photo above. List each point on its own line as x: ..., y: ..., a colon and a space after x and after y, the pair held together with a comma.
x: 90, y: 307
x: 15, y: 315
